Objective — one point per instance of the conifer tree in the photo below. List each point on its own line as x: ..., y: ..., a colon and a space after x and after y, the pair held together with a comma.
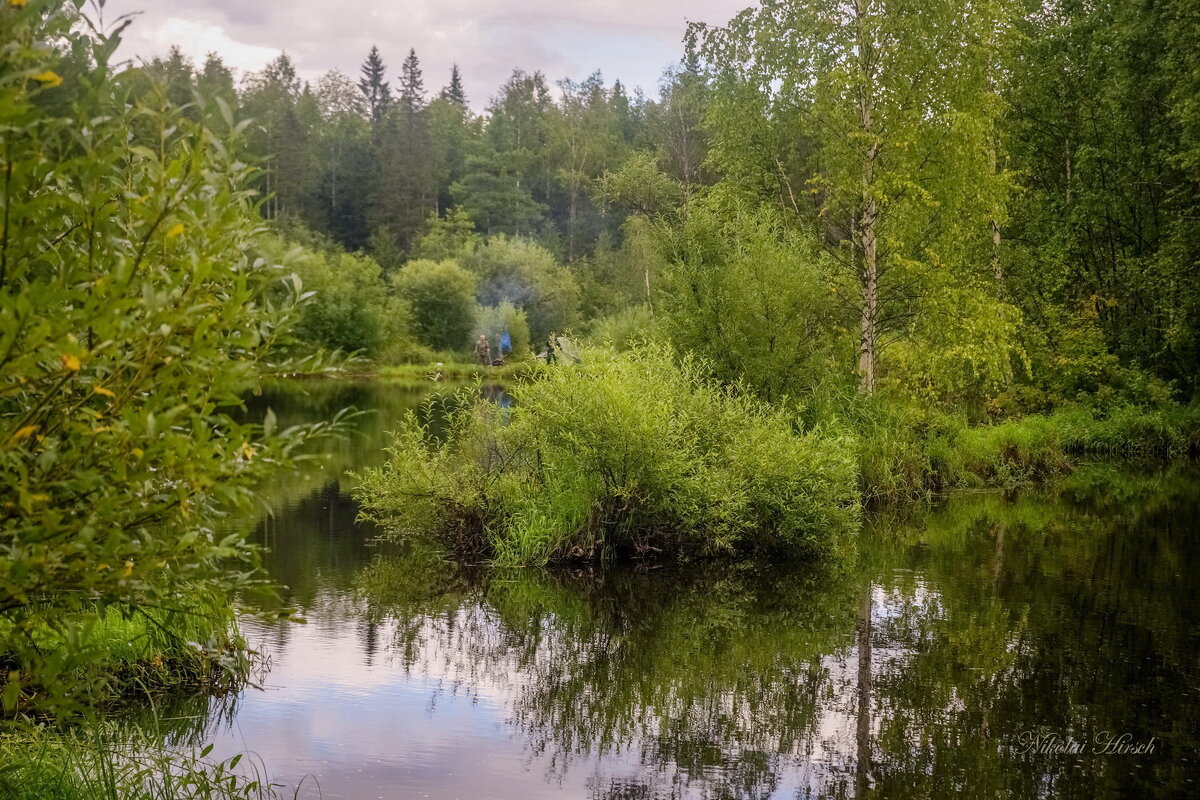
x: 412, y: 86
x: 454, y: 90
x: 375, y: 89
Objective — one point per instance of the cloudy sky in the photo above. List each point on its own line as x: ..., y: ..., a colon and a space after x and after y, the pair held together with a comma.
x: 633, y: 40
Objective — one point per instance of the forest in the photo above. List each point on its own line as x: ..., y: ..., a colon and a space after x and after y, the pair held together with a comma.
x: 998, y: 201
x: 848, y: 256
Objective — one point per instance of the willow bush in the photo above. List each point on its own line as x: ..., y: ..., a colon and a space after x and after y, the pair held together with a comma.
x: 622, y: 454
x: 132, y: 318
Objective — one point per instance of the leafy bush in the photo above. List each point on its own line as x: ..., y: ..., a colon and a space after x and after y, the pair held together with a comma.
x: 441, y: 295
x: 624, y: 329
x: 133, y: 315
x: 754, y: 300
x: 620, y: 455
x: 349, y: 309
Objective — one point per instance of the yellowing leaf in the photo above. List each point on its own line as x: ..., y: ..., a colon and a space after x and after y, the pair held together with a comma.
x: 49, y: 77
x: 22, y: 433
x: 175, y: 230
x: 39, y: 498
x: 103, y: 391
x: 247, y: 451
x: 137, y: 453
x: 71, y: 363
x: 128, y: 569
x: 18, y: 3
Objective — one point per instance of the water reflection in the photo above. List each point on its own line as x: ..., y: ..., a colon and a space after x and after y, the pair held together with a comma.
x: 918, y: 669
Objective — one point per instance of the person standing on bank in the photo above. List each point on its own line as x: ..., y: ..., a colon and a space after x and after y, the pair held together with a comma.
x: 483, y: 350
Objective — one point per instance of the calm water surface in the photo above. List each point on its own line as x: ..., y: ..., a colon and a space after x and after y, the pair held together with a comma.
x: 989, y: 648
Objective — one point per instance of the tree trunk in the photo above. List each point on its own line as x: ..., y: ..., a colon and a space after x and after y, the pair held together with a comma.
x: 868, y: 221
x: 997, y: 266
x: 869, y: 280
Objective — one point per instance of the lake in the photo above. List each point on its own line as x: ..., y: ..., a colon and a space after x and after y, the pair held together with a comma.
x: 1044, y: 645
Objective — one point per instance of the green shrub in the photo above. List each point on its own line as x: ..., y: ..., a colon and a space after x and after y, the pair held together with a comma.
x: 441, y: 295
x: 755, y: 300
x: 133, y: 316
x: 349, y: 308
x: 624, y: 329
x: 620, y: 455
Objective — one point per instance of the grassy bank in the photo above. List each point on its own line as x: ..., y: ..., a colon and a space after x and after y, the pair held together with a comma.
x: 124, y: 654
x: 635, y: 454
x: 103, y: 763
x: 457, y: 371
x: 906, y: 452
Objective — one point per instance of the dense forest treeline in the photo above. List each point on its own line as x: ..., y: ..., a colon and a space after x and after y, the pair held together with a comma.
x: 994, y: 191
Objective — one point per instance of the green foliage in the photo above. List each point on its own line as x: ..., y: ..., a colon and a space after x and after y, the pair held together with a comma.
x: 622, y: 454
x: 133, y: 316
x: 910, y: 450
x: 754, y: 300
x: 1100, y: 127
x: 527, y: 275
x: 620, y: 274
x: 105, y: 763
x: 349, y: 309
x: 639, y: 185
x: 441, y: 295
x: 625, y: 329
x: 451, y: 236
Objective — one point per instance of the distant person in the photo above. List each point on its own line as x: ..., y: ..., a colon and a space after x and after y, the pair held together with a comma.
x: 551, y: 344
x: 483, y: 351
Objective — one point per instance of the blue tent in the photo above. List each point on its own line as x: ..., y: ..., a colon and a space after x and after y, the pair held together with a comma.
x: 505, y: 343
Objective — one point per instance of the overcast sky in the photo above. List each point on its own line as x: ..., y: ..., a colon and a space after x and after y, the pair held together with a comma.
x: 633, y: 40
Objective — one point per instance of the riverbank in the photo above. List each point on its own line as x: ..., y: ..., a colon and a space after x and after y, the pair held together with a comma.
x: 634, y: 455
x: 110, y: 762
x: 123, y: 656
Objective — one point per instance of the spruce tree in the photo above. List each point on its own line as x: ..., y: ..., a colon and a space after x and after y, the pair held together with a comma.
x: 375, y: 89
x: 454, y: 91
x: 412, y: 86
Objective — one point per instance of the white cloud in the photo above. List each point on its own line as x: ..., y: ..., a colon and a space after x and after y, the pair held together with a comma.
x: 633, y: 40
x: 196, y: 40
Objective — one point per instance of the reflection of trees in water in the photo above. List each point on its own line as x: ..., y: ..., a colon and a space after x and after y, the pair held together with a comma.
x: 909, y: 673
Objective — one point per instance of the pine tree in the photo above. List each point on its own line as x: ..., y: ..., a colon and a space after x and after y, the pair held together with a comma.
x: 454, y: 91
x: 375, y: 89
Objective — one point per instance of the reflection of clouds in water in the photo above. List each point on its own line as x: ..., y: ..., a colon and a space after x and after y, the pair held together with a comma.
x: 364, y: 727
x: 710, y: 682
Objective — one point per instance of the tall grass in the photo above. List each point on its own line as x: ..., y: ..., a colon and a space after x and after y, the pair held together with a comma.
x: 906, y: 451
x: 104, y: 763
